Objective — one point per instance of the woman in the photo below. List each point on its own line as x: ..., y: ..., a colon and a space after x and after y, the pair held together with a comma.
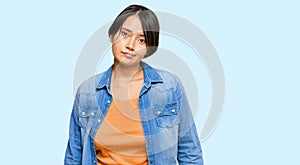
x: 132, y: 113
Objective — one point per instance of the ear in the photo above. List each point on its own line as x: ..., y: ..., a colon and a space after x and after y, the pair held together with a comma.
x: 110, y: 38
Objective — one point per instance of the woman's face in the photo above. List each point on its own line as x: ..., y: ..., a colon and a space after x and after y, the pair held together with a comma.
x: 129, y: 44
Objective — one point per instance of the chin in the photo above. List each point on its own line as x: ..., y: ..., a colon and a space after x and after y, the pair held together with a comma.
x: 127, y: 63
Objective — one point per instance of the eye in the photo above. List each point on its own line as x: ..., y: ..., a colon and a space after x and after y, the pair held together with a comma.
x: 124, y: 34
x: 142, y: 40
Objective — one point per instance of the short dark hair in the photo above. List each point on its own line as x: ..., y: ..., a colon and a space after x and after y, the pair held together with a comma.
x: 149, y: 21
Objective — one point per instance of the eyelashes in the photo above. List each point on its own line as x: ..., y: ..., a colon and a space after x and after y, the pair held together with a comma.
x: 125, y: 35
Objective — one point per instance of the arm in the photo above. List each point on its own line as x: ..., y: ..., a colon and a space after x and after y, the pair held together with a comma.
x: 189, y: 148
x: 74, y: 148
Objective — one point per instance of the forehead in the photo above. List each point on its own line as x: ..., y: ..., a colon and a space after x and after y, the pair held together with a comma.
x: 134, y: 24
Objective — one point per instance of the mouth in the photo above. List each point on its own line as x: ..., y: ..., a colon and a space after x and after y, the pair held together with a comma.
x: 127, y: 55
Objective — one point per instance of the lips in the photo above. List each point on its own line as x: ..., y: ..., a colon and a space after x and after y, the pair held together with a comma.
x: 128, y: 55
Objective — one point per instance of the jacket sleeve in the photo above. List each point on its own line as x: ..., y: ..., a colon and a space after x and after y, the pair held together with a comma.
x: 189, y: 148
x: 73, y: 153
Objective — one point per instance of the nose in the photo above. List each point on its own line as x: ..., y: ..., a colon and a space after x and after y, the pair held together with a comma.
x: 130, y: 44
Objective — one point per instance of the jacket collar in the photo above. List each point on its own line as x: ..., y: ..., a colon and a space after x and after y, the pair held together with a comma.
x: 150, y: 76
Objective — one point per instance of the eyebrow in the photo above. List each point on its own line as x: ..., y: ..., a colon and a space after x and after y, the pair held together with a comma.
x: 131, y: 31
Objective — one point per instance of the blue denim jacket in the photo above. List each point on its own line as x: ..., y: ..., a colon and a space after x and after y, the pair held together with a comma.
x: 169, y: 129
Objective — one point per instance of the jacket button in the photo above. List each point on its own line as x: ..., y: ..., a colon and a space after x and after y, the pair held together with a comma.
x: 99, y: 120
x: 108, y: 101
x: 173, y: 110
x: 158, y: 112
x: 83, y: 113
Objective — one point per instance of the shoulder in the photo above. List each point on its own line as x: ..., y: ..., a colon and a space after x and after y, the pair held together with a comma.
x: 89, y: 85
x: 168, y: 78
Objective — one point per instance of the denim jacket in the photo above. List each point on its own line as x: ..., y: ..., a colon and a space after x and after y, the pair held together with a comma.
x: 168, y: 125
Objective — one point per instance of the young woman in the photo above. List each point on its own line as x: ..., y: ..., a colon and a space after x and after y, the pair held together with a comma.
x: 132, y: 113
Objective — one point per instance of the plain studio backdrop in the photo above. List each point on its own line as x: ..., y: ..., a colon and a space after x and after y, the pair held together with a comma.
x: 257, y: 43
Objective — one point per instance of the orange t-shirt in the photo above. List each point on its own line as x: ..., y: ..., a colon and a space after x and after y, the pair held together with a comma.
x: 120, y: 138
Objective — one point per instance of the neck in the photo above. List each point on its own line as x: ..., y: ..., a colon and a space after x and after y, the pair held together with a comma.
x: 127, y: 73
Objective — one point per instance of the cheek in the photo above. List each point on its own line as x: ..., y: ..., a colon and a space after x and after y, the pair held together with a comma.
x: 141, y: 55
x: 116, y: 45
x: 142, y: 50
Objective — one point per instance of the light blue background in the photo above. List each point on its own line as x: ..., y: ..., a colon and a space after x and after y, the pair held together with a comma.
x: 257, y: 42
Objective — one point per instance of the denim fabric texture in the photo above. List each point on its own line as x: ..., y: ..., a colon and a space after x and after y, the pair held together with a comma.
x: 170, y: 133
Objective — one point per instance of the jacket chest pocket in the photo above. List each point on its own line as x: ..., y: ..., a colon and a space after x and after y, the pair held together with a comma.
x: 166, y: 116
x: 87, y: 116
